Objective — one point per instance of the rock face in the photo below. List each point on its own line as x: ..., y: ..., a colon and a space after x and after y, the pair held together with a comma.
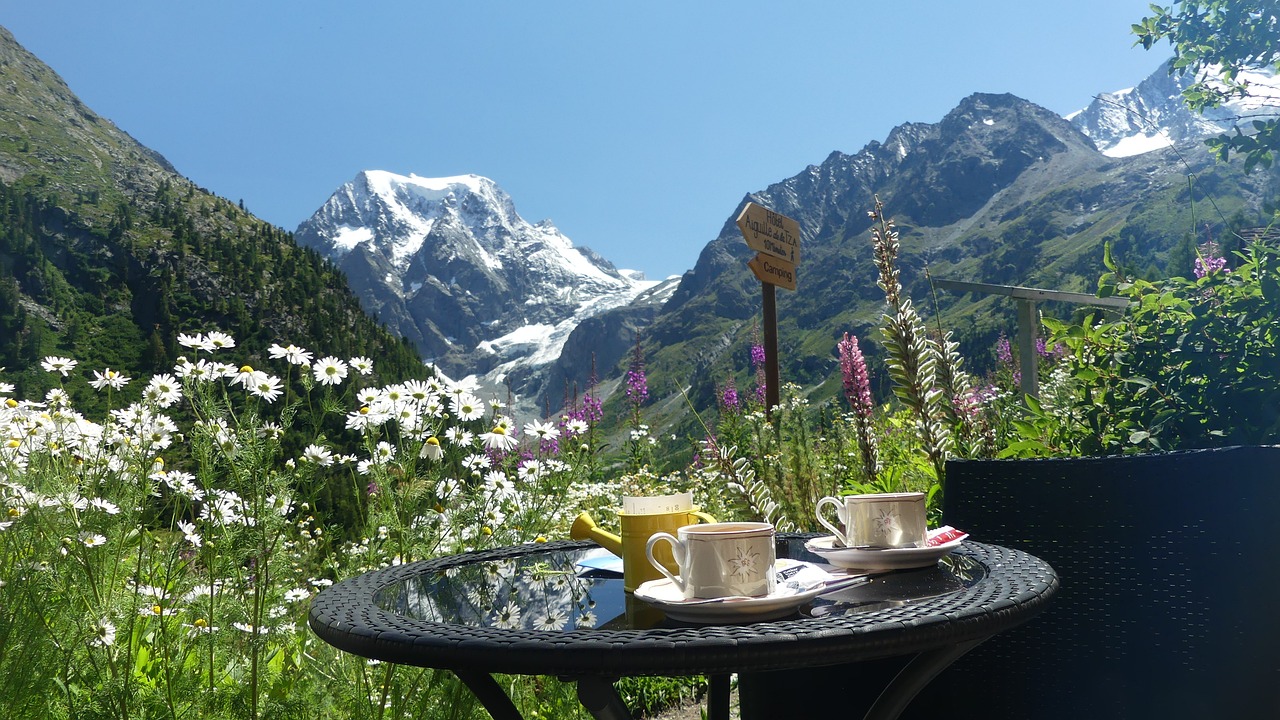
x: 449, y: 264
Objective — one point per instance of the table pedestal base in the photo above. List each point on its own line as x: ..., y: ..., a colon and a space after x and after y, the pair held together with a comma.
x: 490, y: 694
x: 845, y: 690
x: 600, y: 699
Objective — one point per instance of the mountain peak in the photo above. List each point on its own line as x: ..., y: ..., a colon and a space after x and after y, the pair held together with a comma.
x: 449, y: 264
x: 1152, y: 115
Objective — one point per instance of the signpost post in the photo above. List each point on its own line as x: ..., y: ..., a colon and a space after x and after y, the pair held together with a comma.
x: 776, y: 240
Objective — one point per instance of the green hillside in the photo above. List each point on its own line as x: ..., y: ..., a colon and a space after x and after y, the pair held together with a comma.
x: 107, y: 253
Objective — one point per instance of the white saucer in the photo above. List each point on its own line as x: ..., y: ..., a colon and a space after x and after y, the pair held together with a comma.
x: 886, y: 559
x: 665, y: 596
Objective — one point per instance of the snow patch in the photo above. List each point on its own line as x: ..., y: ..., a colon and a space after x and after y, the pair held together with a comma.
x: 1139, y: 144
x: 347, y: 237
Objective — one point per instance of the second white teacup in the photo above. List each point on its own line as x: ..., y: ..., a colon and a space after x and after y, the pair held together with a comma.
x: 720, y: 559
x: 883, y: 520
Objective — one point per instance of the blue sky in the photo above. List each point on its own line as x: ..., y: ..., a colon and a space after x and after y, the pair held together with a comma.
x: 635, y: 127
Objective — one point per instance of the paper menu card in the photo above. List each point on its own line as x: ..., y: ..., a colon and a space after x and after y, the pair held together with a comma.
x: 680, y: 502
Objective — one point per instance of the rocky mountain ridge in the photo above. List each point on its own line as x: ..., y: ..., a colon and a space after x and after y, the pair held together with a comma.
x: 449, y: 264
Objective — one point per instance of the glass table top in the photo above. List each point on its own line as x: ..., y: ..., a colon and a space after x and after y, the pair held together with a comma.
x: 548, y: 591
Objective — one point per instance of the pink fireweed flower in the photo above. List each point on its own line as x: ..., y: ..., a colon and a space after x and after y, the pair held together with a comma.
x: 729, y: 397
x: 1004, y: 351
x: 857, y: 389
x: 637, y: 384
x: 857, y: 382
x: 1208, y: 261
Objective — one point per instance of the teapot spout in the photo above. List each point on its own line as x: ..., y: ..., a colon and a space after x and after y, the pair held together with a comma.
x: 584, y: 528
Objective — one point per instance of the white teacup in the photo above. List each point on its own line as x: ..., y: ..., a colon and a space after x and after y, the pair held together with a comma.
x: 884, y: 520
x: 720, y: 559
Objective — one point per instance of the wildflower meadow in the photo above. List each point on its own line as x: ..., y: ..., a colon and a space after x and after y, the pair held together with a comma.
x: 157, y: 560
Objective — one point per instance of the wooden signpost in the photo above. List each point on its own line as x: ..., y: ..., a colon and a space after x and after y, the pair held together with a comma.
x: 776, y: 240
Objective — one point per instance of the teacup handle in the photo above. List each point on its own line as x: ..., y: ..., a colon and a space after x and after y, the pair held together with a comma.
x: 839, y: 505
x: 677, y: 551
x: 702, y: 516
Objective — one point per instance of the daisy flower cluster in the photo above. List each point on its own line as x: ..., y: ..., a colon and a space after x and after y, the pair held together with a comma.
x: 183, y: 531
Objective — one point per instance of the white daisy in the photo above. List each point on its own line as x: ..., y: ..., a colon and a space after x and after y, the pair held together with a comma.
x: 542, y: 430
x: 195, y: 342
x: 108, y: 378
x: 61, y: 365
x: 509, y: 617
x: 431, y: 449
x: 220, y: 341
x: 266, y: 387
x: 499, y: 439
x: 163, y: 390
x: 466, y: 406
x: 103, y: 633
x: 329, y: 370
x: 318, y: 454
x: 189, y: 533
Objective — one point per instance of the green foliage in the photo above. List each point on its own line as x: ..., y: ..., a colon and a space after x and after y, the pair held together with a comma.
x: 1194, y: 363
x: 1215, y: 41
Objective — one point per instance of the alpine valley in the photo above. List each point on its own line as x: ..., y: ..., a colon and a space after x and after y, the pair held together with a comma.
x: 107, y: 252
x: 999, y: 191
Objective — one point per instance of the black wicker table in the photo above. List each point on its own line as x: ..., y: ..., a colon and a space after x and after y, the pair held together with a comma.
x: 530, y: 610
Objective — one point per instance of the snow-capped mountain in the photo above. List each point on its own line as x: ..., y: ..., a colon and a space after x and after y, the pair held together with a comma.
x: 449, y: 264
x: 1153, y: 116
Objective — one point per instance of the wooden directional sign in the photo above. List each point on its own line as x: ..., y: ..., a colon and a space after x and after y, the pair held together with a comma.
x: 774, y: 271
x: 776, y: 240
x: 770, y: 233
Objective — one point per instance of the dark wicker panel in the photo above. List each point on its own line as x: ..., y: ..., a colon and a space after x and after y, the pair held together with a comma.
x: 1169, y: 587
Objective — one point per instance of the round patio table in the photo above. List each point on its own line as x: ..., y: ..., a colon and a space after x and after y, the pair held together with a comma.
x: 533, y: 610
